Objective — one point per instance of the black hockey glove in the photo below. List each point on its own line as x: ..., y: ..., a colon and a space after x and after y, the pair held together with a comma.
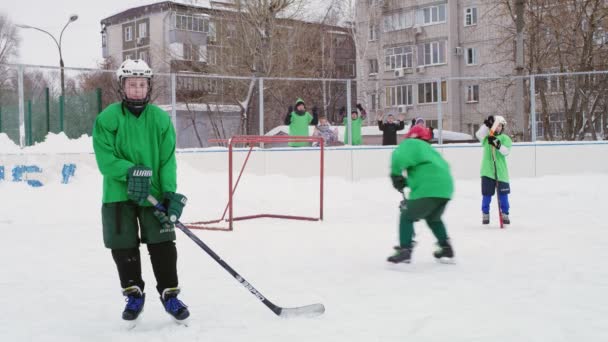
x: 138, y: 183
x: 315, y: 111
x: 489, y: 121
x: 399, y: 182
x: 289, y: 109
x: 492, y: 140
x: 359, y: 107
x: 174, y: 203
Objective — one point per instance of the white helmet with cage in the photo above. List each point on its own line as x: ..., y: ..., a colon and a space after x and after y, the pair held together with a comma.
x: 132, y: 68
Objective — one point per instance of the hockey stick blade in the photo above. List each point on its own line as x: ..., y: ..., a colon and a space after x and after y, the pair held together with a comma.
x: 312, y: 310
x: 301, y: 311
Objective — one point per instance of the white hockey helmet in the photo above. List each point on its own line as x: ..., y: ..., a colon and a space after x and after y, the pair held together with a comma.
x: 500, y: 120
x: 133, y: 68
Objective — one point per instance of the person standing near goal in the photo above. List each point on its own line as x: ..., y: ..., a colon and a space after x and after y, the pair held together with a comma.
x: 494, y: 171
x: 134, y: 144
x: 298, y: 122
x: 432, y: 186
x: 356, y: 121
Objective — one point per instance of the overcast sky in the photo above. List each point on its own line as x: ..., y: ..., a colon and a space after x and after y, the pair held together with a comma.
x: 81, y: 43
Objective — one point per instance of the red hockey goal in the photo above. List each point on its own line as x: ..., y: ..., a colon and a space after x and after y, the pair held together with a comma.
x: 252, y: 141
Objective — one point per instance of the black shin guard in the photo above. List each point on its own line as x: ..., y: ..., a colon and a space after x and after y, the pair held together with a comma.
x: 128, y: 263
x: 164, y: 263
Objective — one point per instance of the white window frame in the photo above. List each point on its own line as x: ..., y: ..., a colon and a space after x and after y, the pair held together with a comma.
x: 401, y: 95
x: 373, y: 32
x: 470, y: 16
x: 401, y: 57
x: 128, y: 33
x: 471, y: 56
x: 422, y: 90
x: 397, y: 21
x: 432, y: 11
x: 472, y: 93
x: 128, y: 56
x: 195, y: 23
x: 434, y: 50
x: 142, y: 27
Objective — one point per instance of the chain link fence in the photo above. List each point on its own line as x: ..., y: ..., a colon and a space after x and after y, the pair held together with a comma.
x: 209, y: 109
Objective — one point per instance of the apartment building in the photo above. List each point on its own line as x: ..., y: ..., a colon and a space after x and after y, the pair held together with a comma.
x: 419, y: 53
x: 193, y: 38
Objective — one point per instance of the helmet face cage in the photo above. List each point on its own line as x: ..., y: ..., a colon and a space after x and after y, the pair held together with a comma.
x: 134, y: 69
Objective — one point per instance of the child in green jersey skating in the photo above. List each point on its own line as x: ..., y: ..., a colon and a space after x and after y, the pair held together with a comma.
x: 431, y: 184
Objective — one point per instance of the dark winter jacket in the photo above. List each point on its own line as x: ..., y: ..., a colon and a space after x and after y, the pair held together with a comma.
x: 389, y: 131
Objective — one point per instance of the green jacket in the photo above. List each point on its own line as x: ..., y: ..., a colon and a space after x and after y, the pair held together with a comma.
x: 487, y: 163
x: 356, y: 126
x: 428, y: 174
x: 122, y: 140
x: 298, y: 126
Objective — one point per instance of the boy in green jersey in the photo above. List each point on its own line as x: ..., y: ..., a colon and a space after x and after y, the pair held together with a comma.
x: 299, y: 120
x: 431, y: 184
x: 494, y: 171
x: 134, y: 143
x: 356, y: 120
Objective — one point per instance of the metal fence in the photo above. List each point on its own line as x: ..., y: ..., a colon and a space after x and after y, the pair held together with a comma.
x: 208, y: 109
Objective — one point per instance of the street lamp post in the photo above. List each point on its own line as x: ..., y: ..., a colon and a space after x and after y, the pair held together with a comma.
x: 72, y: 18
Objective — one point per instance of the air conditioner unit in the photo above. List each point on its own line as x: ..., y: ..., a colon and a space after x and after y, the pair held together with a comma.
x: 140, y: 40
x: 399, y: 73
x: 458, y: 51
x: 402, y: 108
x: 420, y: 69
x: 417, y: 29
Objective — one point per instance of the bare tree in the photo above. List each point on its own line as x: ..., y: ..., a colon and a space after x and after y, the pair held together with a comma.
x: 9, y: 48
x: 567, y: 36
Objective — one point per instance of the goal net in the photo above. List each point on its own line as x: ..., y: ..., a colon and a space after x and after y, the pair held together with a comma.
x: 238, y: 161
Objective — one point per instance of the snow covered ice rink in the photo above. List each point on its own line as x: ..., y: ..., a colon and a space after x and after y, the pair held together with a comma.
x: 544, y: 278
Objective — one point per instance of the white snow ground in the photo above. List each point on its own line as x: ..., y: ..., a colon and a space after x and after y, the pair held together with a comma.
x: 544, y: 278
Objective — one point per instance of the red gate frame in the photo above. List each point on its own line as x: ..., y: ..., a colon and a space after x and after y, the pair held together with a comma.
x: 252, y: 141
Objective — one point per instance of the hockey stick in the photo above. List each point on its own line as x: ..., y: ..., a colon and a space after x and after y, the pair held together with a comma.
x: 496, y: 177
x: 300, y: 311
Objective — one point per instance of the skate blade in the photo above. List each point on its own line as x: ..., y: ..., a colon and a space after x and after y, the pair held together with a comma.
x: 448, y: 261
x: 185, y: 322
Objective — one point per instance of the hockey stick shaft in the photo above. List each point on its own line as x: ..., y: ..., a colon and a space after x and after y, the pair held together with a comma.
x: 307, y: 310
x: 497, y: 187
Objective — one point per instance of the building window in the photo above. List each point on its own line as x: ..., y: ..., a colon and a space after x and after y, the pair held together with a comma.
x: 128, y: 33
x: 191, y: 23
x: 472, y: 95
x: 211, y: 56
x: 230, y: 31
x: 432, y: 15
x: 211, y: 34
x: 373, y: 99
x: 397, y: 21
x: 128, y: 56
x: 427, y: 92
x: 470, y: 16
x: 191, y: 52
x: 399, y: 96
x: 399, y: 57
x: 373, y: 66
x: 104, y: 38
x: 471, y: 56
x: 373, y: 32
x: 352, y: 68
x: 431, y: 53
x: 142, y: 30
